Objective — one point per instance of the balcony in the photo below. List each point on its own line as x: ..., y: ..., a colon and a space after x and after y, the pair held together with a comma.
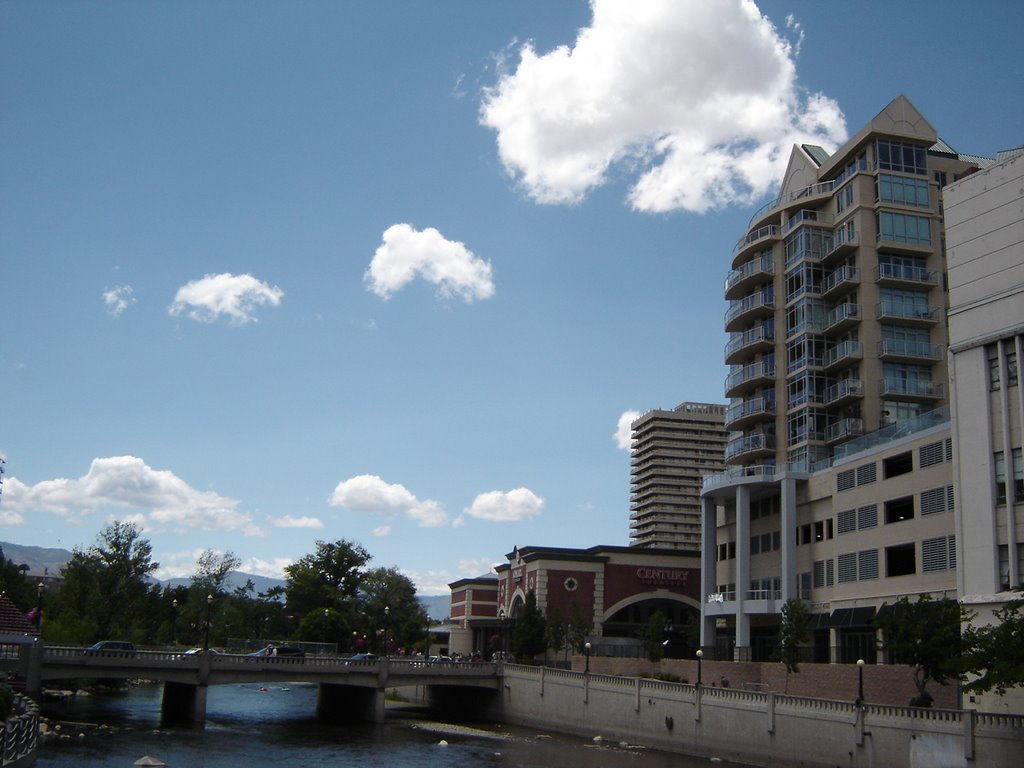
x: 844, y: 429
x: 749, y: 376
x: 842, y: 354
x: 761, y: 235
x: 811, y: 194
x: 908, y: 312
x: 747, y: 275
x: 901, y: 274
x: 744, y: 344
x: 904, y: 350
x: 844, y: 241
x: 749, y: 411
x: 911, y: 389
x: 842, y: 280
x: 743, y: 311
x: 844, y: 391
x: 750, y: 445
x: 808, y: 216
x: 843, y: 316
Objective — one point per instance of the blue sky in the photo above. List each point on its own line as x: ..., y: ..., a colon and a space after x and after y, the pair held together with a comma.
x: 394, y: 271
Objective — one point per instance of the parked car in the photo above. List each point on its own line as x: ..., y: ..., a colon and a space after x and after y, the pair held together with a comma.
x: 111, y: 648
x: 362, y: 657
x: 279, y: 651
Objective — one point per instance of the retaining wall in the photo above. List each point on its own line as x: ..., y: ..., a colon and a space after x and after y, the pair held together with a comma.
x: 757, y: 728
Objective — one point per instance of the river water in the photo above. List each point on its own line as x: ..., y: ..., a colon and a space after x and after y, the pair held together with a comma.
x: 277, y: 727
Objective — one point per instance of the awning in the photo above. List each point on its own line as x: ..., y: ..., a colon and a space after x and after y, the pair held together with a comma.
x: 895, y: 611
x: 844, y: 618
x: 819, y: 621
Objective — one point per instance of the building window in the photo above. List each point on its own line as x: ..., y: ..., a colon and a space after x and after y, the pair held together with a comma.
x: 937, y: 500
x: 804, y: 580
x: 902, y: 190
x: 845, y: 480
x: 900, y: 560
x: 1000, y: 471
x: 938, y: 554
x: 1018, y: 475
x: 898, y: 510
x: 904, y: 228
x: 992, y: 351
x: 844, y: 198
x: 901, y: 157
x: 866, y: 473
x: 895, y: 412
x: 931, y: 454
x: 900, y: 464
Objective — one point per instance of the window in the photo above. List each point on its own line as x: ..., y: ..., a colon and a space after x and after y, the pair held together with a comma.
x: 845, y: 480
x: 807, y: 243
x: 844, y: 198
x: 1018, y: 475
x: 899, y: 464
x: 902, y: 190
x: 993, y: 366
x: 867, y: 564
x: 900, y: 560
x: 859, y: 519
x: 904, y: 228
x: 866, y: 474
x: 1011, y: 368
x: 940, y: 178
x: 901, y: 157
x: 824, y: 573
x: 1000, y: 467
x: 803, y: 534
x: 930, y: 455
x: 895, y: 412
x: 937, y: 501
x: 898, y: 510
x: 804, y: 581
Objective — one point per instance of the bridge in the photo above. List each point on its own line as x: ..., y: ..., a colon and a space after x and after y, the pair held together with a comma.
x: 346, y: 688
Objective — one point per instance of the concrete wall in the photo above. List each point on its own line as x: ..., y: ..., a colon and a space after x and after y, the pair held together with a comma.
x: 758, y: 728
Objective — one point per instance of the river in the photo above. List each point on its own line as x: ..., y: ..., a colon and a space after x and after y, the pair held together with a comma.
x: 247, y: 726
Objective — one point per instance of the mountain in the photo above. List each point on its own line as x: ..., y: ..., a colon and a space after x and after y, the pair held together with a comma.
x: 49, y: 561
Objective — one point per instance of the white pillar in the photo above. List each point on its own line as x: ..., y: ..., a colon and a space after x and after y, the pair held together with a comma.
x: 788, y: 536
x: 742, y: 564
x: 708, y: 567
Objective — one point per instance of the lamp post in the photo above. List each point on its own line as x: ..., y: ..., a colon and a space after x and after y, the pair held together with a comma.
x: 586, y: 649
x: 501, y: 633
x: 206, y: 628
x: 387, y: 615
x: 39, y: 608
x: 860, y: 682
x: 700, y: 658
x: 174, y: 622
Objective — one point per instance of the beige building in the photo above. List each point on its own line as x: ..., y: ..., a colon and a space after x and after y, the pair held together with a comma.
x: 837, y: 323
x: 672, y: 452
x: 985, y: 234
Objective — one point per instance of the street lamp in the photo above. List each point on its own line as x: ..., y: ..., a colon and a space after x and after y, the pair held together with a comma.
x: 586, y: 649
x: 860, y: 682
x: 700, y: 658
x: 387, y: 614
x: 39, y: 608
x: 174, y: 622
x: 206, y: 631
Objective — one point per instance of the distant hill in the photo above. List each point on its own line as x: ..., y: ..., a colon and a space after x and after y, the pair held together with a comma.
x: 45, y: 560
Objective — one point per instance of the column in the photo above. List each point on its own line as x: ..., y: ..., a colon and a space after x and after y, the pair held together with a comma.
x: 742, y: 566
x: 708, y: 567
x: 788, y: 535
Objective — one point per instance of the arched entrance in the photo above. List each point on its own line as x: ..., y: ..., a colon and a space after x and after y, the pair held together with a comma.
x: 679, y: 626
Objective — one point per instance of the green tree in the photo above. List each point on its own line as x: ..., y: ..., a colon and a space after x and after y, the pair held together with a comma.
x: 556, y: 632
x: 994, y: 653
x: 330, y: 577
x: 580, y: 626
x: 212, y: 570
x: 793, y: 633
x: 925, y: 634
x: 528, y: 631
x: 106, y: 590
x: 404, y: 620
x: 15, y: 585
x: 652, y: 636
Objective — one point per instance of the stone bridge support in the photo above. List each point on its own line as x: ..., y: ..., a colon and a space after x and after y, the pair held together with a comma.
x: 349, y: 702
x: 184, y: 702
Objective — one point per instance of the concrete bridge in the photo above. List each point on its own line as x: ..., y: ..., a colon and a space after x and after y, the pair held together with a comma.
x: 346, y: 688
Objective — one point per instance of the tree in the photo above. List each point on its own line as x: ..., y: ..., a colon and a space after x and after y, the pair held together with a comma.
x: 327, y: 578
x: 14, y: 584
x: 926, y: 635
x: 556, y: 632
x: 994, y: 653
x: 528, y: 632
x: 405, y: 620
x: 212, y: 571
x: 652, y: 636
x: 793, y: 632
x: 579, y: 627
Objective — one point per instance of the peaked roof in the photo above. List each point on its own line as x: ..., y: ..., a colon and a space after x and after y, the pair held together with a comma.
x: 12, y: 620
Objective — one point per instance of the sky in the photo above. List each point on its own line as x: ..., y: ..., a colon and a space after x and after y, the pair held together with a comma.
x: 402, y: 272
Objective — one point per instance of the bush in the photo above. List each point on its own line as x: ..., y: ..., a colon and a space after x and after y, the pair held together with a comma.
x: 6, y: 700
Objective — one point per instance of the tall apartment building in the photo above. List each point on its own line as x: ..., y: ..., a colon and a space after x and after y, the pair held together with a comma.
x: 985, y: 225
x: 839, y: 473
x: 672, y: 453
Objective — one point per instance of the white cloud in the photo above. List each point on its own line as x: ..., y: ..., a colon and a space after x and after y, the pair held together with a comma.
x: 273, y: 569
x: 10, y: 518
x: 118, y: 299
x: 436, y: 582
x: 407, y: 254
x: 368, y: 493
x: 506, y: 507
x: 287, y: 521
x: 623, y: 435
x: 381, y: 531
x: 127, y: 482
x: 699, y: 99
x: 225, y: 295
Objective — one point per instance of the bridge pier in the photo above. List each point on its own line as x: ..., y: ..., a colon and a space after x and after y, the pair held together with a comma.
x: 184, y: 702
x: 349, y: 702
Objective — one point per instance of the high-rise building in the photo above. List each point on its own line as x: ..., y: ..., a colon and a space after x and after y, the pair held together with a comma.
x: 672, y: 452
x: 839, y: 475
x: 985, y: 226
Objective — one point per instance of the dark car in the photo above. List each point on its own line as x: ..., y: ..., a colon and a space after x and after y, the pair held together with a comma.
x: 363, y: 657
x: 279, y: 652
x: 111, y: 648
